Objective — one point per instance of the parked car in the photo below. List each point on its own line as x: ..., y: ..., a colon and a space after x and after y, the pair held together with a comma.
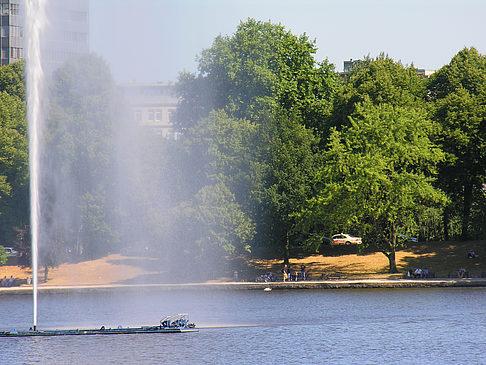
x: 326, y: 241
x: 9, y: 251
x: 345, y: 239
x: 402, y: 237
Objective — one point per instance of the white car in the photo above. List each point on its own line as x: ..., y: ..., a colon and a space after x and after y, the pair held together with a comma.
x: 404, y: 238
x: 9, y: 251
x: 345, y: 239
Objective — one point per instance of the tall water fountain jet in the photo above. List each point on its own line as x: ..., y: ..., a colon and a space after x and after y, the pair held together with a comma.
x: 35, y: 20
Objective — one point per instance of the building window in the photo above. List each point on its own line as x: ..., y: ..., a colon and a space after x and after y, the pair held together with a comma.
x: 171, y: 114
x: 79, y: 16
x: 16, y: 31
x: 158, y: 115
x: 5, y: 9
x: 151, y: 115
x: 4, y: 53
x: 17, y: 53
x: 14, y: 9
x: 4, y: 31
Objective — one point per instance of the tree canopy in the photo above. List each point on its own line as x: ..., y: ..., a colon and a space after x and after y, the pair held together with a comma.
x: 458, y: 96
x: 14, y: 187
x: 377, y: 175
x: 261, y: 66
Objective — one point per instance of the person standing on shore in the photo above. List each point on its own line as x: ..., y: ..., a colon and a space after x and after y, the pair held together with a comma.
x: 285, y: 270
x: 302, y: 271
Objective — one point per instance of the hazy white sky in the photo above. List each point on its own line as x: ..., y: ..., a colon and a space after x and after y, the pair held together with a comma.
x: 153, y: 40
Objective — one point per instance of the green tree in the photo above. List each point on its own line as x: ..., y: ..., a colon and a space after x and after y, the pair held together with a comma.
x: 458, y: 96
x: 220, y: 157
x: 12, y: 79
x: 377, y: 176
x: 206, y: 229
x: 13, y: 166
x: 380, y: 80
x: 78, y: 158
x: 287, y: 168
x: 276, y: 98
x: 3, y: 256
x: 261, y: 66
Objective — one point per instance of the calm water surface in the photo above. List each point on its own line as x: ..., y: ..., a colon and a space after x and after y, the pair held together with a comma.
x: 399, y: 326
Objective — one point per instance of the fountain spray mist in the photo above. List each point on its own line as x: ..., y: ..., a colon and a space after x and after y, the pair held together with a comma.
x: 35, y: 22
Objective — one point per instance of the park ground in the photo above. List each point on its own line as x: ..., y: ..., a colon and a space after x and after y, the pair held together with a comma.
x: 441, y: 258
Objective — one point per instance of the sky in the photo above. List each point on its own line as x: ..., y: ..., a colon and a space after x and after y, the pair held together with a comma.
x: 154, y: 40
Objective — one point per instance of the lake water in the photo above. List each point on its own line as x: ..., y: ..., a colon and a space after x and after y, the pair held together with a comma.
x: 393, y: 326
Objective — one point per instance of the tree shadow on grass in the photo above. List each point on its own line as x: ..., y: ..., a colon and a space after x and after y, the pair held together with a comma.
x: 442, y: 258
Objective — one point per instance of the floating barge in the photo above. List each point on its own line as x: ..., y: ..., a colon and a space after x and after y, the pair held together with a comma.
x: 170, y: 324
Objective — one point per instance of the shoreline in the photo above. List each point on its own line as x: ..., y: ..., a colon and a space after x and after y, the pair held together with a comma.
x: 299, y: 285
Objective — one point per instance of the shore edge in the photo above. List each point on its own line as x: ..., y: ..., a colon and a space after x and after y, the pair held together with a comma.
x: 299, y: 285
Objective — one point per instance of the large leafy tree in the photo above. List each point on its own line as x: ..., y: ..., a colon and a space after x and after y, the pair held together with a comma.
x: 377, y: 176
x: 261, y: 66
x: 379, y: 80
x: 12, y: 79
x: 210, y: 226
x: 221, y: 157
x: 275, y: 99
x: 287, y: 168
x: 14, y: 197
x: 78, y: 158
x: 458, y: 94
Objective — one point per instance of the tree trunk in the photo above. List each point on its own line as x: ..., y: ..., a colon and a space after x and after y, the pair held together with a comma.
x: 286, y: 249
x: 466, y: 212
x: 46, y: 273
x: 392, y: 261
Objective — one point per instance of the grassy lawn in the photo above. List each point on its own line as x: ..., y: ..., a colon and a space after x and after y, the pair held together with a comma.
x: 439, y: 257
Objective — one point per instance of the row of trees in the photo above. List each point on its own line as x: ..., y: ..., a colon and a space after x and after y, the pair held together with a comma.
x: 277, y: 149
x: 379, y: 152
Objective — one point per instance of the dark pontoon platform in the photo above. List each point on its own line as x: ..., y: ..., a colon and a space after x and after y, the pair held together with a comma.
x: 170, y: 324
x: 99, y: 331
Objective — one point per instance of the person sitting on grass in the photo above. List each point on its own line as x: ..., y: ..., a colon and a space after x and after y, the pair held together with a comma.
x: 10, y: 281
x: 425, y: 273
x: 417, y: 273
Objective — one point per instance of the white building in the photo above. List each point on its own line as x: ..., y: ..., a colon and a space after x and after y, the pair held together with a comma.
x: 152, y: 106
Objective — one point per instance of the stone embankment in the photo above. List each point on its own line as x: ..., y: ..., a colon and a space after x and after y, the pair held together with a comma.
x: 299, y: 285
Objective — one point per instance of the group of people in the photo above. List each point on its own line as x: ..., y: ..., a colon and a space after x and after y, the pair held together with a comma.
x: 418, y: 273
x: 7, y: 282
x: 287, y: 273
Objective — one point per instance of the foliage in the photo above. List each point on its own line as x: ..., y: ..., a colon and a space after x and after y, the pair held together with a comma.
x: 377, y: 176
x: 79, y: 155
x: 287, y: 171
x: 215, y: 222
x: 13, y: 152
x: 12, y: 79
x: 382, y: 81
x: 458, y: 95
x: 261, y: 67
x: 3, y: 256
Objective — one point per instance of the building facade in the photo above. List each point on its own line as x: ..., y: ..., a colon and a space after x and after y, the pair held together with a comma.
x: 152, y: 106
x: 66, y: 35
x: 11, y: 31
